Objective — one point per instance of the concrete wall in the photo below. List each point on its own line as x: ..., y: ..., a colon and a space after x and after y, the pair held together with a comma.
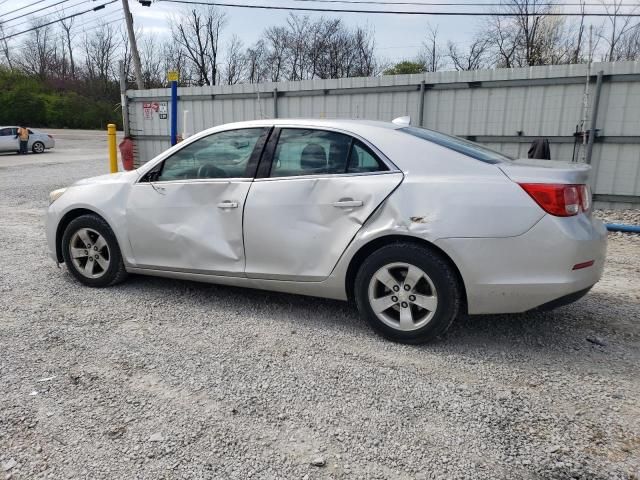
x: 504, y: 109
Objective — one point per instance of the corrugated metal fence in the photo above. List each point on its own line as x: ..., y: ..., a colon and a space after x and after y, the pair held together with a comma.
x: 504, y: 109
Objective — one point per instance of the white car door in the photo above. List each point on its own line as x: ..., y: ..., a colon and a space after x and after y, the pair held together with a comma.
x: 186, y: 214
x: 8, y: 142
x: 318, y: 189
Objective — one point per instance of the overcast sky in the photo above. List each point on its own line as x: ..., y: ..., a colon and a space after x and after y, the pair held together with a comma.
x: 397, y: 36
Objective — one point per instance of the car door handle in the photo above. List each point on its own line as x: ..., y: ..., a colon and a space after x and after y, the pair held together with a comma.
x: 228, y: 204
x: 347, y: 203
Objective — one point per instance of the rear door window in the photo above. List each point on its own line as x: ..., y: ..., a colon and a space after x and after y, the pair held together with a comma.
x: 302, y: 151
x: 362, y: 159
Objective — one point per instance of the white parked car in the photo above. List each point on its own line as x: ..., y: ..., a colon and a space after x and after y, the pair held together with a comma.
x: 415, y: 226
x: 38, y: 141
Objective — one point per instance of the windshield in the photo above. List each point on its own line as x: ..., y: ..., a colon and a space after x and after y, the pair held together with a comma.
x: 458, y: 144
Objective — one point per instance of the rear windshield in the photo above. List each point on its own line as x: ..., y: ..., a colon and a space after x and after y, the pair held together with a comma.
x: 458, y: 144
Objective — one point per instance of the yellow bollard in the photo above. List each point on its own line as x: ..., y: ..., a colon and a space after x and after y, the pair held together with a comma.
x: 113, y: 155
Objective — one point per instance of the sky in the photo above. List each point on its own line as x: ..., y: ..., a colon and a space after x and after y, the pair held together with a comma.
x: 397, y: 36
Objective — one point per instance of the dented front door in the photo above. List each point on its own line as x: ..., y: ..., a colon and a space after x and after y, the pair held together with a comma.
x: 297, y: 228
x: 194, y: 226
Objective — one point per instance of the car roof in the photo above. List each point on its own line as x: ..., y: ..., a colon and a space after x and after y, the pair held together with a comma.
x: 352, y: 125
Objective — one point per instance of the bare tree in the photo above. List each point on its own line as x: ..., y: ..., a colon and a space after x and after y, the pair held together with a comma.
x: 151, y: 60
x: 4, y: 46
x: 256, y: 59
x: 628, y: 46
x: 100, y: 46
x: 175, y: 59
x: 471, y: 59
x: 297, y: 45
x: 67, y: 38
x: 43, y: 54
x: 531, y: 35
x: 235, y: 62
x: 197, y: 31
x: 125, y: 54
x: 431, y: 55
x: 621, y: 25
x: 364, y: 60
x: 276, y: 39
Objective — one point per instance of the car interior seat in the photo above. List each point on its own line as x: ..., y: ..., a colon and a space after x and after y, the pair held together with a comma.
x: 313, y: 157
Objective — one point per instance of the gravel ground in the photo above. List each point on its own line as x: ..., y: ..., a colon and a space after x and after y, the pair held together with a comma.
x: 159, y: 378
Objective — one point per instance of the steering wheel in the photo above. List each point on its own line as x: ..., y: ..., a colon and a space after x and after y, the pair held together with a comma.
x: 211, y: 171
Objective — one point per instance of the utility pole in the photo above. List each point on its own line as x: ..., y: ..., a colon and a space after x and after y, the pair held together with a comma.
x: 132, y: 42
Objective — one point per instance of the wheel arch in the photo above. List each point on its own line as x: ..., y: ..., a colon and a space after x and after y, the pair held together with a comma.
x: 360, y: 256
x: 66, y: 220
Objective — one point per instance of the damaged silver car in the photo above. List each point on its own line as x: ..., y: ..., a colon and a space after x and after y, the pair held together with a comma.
x: 415, y: 226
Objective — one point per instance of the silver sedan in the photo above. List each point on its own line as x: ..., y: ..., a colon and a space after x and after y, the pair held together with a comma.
x: 38, y: 141
x: 415, y: 226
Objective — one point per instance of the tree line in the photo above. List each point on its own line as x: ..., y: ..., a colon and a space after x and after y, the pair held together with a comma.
x: 60, y: 68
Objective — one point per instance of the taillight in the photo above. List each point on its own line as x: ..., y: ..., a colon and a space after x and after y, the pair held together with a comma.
x: 559, y: 199
x: 49, y: 136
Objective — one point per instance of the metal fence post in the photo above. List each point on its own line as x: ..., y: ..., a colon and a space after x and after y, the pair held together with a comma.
x: 421, y: 109
x: 594, y: 116
x: 275, y: 103
x: 592, y: 134
x: 113, y: 155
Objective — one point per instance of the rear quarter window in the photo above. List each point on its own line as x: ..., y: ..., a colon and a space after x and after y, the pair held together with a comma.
x: 457, y: 144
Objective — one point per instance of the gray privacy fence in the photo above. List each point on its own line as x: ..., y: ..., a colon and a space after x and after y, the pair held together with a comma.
x: 504, y: 109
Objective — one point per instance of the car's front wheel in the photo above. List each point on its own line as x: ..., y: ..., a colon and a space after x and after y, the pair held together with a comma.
x: 38, y: 147
x: 91, y: 252
x: 407, y: 293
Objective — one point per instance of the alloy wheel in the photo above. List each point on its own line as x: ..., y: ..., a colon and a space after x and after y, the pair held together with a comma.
x: 90, y: 253
x: 403, y: 296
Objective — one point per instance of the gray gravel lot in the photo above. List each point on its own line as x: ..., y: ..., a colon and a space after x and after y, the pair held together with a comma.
x: 160, y: 378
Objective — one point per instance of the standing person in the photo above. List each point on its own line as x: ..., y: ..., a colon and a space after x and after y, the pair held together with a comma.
x: 23, y: 135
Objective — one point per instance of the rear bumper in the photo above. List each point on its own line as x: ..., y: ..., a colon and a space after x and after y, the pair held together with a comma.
x: 516, y: 274
x: 562, y: 301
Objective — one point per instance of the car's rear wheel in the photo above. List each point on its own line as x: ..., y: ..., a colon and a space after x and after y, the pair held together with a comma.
x: 407, y: 293
x: 91, y: 252
x: 38, y: 147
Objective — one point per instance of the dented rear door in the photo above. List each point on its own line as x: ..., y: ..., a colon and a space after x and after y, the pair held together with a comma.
x: 297, y: 228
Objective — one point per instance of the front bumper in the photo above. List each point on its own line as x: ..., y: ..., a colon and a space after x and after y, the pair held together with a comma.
x: 51, y: 227
x: 516, y: 274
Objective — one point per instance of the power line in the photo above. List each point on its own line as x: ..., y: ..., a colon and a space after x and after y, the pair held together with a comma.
x: 99, y: 7
x: 36, y: 11
x: 399, y: 12
x: 32, y: 20
x: 457, y: 4
x: 90, y: 23
x: 21, y: 8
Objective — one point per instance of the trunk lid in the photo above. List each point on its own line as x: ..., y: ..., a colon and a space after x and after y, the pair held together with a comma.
x: 529, y: 170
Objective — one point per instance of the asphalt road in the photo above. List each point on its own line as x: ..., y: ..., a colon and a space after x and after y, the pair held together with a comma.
x: 160, y: 378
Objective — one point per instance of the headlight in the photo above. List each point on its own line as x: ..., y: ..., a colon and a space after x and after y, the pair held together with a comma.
x: 56, y: 194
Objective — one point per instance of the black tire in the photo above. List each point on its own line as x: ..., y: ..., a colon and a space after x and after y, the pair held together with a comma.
x: 115, y: 272
x: 37, y: 147
x: 444, y: 280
